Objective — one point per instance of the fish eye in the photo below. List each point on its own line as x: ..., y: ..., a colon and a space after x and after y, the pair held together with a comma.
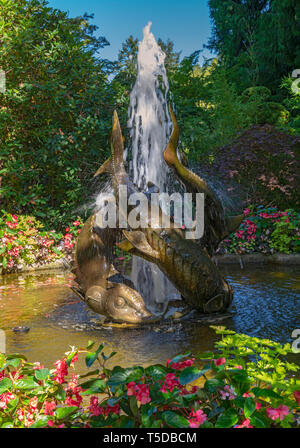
x: 120, y: 302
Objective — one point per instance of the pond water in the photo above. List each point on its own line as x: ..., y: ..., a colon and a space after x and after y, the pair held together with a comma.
x: 266, y: 304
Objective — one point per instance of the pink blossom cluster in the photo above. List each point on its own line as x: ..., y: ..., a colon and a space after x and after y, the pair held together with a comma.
x: 280, y: 412
x: 197, y: 418
x: 95, y: 409
x: 228, y: 392
x: 141, y: 391
x: 171, y: 381
x: 73, y: 391
x: 181, y: 364
x: 61, y: 370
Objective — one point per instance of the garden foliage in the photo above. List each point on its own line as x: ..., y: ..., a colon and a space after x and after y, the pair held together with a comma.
x: 246, y: 383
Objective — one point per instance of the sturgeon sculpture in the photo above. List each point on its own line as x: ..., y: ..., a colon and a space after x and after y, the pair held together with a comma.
x: 187, y: 263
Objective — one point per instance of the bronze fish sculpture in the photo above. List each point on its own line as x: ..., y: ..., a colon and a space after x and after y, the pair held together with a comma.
x: 186, y: 263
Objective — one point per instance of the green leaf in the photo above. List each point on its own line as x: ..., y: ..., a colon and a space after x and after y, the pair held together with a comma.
x: 206, y: 355
x: 42, y: 374
x: 125, y: 376
x: 190, y: 374
x: 5, y: 385
x: 92, y: 356
x: 133, y: 405
x: 259, y: 421
x: 94, y: 386
x: 40, y: 423
x: 62, y: 413
x: 249, y: 407
x: 107, y: 357
x: 156, y: 372
x: 212, y: 384
x: 228, y: 419
x: 147, y: 411
x: 70, y: 357
x: 265, y: 393
x: 26, y: 383
x: 90, y: 345
x: 178, y: 358
x: 13, y: 362
x: 175, y: 420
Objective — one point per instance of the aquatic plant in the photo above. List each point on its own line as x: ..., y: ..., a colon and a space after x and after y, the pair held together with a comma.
x: 246, y: 382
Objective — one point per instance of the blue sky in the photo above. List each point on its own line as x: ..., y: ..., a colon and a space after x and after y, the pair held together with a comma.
x: 186, y: 23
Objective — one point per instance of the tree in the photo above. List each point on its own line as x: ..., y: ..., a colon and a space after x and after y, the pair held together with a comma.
x: 55, y: 114
x: 258, y: 40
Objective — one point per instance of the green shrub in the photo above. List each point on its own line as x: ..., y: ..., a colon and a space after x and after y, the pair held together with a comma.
x: 246, y: 384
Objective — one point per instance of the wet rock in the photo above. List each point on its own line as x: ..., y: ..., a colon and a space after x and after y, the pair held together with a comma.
x: 21, y: 329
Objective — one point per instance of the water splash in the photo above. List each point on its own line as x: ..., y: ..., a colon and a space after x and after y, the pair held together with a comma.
x: 149, y: 120
x: 150, y: 128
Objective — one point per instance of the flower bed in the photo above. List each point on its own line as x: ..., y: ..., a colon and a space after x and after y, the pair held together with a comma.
x: 23, y: 242
x: 266, y: 231
x: 245, y: 384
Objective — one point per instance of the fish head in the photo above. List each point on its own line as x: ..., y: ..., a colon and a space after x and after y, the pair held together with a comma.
x: 118, y: 302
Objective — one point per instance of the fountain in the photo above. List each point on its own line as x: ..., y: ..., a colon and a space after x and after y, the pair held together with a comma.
x: 169, y: 260
x: 150, y: 127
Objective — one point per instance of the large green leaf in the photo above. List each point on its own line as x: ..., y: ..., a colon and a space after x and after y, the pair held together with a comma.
x: 92, y: 356
x: 5, y: 385
x: 228, y: 419
x: 62, y: 413
x: 42, y: 374
x: 26, y: 383
x: 190, y: 374
x: 249, y: 407
x: 175, y: 420
x: 125, y: 376
x: 156, y: 372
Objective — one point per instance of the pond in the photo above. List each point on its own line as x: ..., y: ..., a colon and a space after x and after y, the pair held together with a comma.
x: 266, y: 304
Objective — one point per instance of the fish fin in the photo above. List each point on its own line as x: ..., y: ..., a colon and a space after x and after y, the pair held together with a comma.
x: 112, y: 271
x: 105, y: 168
x: 125, y: 245
x: 140, y: 243
x: 116, y: 161
x: 192, y: 181
x: 170, y: 154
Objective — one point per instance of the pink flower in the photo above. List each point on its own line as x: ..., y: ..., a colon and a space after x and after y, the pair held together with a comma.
x: 76, y: 223
x: 246, y: 211
x: 131, y: 388
x: 141, y: 391
x: 280, y: 412
x: 61, y: 370
x: 228, y: 392
x: 49, y: 406
x: 245, y: 424
x: 33, y: 403
x: 181, y: 365
x: 96, y: 410
x: 5, y: 398
x: 143, y: 394
x: 170, y: 383
x: 20, y: 414
x: 218, y: 362
x: 197, y: 418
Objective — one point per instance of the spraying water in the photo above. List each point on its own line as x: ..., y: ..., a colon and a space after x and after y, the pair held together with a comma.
x: 149, y: 121
x: 150, y: 127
